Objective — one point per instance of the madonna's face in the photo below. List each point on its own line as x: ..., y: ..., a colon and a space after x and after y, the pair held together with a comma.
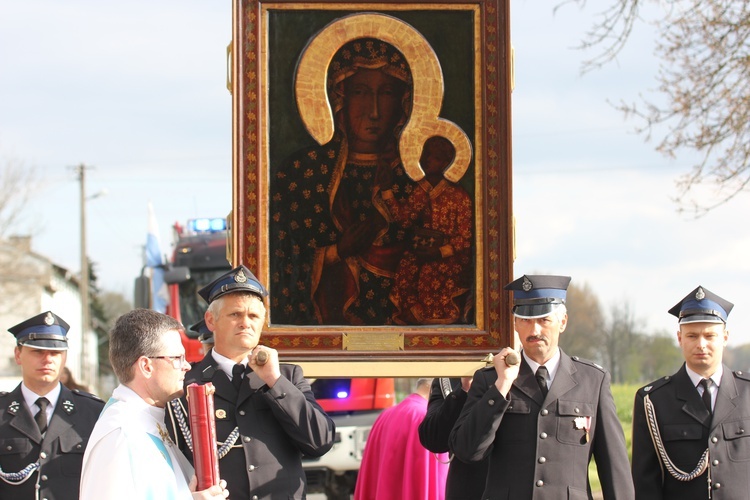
x: 372, y: 107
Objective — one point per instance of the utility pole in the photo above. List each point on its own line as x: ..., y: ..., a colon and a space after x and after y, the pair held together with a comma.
x: 84, y: 280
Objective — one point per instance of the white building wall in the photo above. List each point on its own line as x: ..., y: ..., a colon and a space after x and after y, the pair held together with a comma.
x: 29, y: 285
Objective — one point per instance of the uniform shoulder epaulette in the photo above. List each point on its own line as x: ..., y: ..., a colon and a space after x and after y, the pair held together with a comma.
x: 79, y: 392
x: 206, y: 375
x: 742, y: 374
x: 656, y: 384
x: 588, y: 363
x: 3, y: 393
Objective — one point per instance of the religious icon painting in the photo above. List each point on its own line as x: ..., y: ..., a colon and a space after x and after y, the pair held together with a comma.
x: 372, y: 174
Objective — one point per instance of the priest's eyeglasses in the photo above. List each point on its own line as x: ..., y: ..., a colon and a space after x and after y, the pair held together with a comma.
x: 177, y: 361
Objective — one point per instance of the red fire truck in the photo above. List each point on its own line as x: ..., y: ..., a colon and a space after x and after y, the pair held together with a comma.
x: 199, y: 257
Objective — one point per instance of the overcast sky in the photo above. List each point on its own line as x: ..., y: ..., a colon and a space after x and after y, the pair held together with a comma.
x: 136, y: 91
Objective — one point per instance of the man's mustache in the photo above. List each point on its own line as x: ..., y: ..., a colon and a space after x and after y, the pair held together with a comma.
x: 532, y: 338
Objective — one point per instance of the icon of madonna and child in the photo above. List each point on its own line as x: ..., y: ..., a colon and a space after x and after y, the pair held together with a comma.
x: 371, y: 227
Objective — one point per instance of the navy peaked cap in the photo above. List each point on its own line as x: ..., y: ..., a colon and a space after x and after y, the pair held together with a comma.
x: 239, y: 279
x: 44, y: 331
x: 536, y: 296
x: 702, y: 306
x: 201, y: 332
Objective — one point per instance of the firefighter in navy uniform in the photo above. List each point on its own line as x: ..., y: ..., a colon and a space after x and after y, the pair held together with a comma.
x: 44, y: 426
x: 465, y: 480
x: 266, y: 414
x: 540, y: 421
x: 691, y: 430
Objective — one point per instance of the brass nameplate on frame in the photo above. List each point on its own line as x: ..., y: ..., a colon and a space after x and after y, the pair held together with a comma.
x: 368, y: 342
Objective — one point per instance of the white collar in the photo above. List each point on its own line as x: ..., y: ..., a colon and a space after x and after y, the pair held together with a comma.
x: 127, y: 395
x: 695, y: 378
x: 30, y: 397
x: 225, y: 364
x: 551, y: 365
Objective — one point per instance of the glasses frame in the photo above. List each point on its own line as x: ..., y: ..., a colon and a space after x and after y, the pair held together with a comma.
x: 177, y: 361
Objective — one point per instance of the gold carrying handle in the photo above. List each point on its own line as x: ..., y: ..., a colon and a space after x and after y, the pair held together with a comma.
x: 511, y: 359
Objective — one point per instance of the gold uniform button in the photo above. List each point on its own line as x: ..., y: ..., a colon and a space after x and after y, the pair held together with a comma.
x: 545, y: 412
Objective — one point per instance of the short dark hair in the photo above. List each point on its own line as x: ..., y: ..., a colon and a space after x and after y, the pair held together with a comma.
x: 137, y: 333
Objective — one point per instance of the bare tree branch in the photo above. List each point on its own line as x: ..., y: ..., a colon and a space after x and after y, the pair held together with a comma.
x: 704, y: 77
x: 611, y: 31
x: 17, y: 183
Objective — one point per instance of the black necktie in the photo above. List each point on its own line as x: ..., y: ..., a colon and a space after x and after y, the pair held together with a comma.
x: 237, y: 371
x: 41, y: 416
x: 541, y: 377
x: 706, y: 383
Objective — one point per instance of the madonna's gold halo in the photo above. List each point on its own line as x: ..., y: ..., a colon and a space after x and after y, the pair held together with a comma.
x: 424, y: 122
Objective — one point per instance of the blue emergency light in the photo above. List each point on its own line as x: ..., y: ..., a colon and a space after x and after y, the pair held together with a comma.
x: 207, y: 225
x: 342, y: 394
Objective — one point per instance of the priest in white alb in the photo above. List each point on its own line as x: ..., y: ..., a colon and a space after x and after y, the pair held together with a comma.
x: 129, y: 454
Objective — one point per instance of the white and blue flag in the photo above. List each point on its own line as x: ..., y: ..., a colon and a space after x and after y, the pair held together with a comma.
x: 155, y: 261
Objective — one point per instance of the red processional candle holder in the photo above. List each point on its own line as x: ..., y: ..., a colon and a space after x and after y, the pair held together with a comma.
x: 203, y: 428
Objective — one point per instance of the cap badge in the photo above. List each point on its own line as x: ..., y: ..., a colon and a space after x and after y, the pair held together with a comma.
x: 700, y: 294
x: 240, y: 277
x: 527, y: 284
x: 49, y: 320
x: 68, y: 406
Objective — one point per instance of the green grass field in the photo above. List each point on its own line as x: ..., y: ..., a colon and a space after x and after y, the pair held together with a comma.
x: 624, y: 395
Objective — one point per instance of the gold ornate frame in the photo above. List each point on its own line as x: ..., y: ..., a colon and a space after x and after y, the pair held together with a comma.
x: 264, y: 54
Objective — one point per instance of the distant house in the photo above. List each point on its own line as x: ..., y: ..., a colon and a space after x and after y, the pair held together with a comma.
x: 31, y: 284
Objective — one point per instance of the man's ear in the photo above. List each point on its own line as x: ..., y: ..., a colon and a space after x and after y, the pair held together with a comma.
x: 208, y: 317
x: 145, y: 366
